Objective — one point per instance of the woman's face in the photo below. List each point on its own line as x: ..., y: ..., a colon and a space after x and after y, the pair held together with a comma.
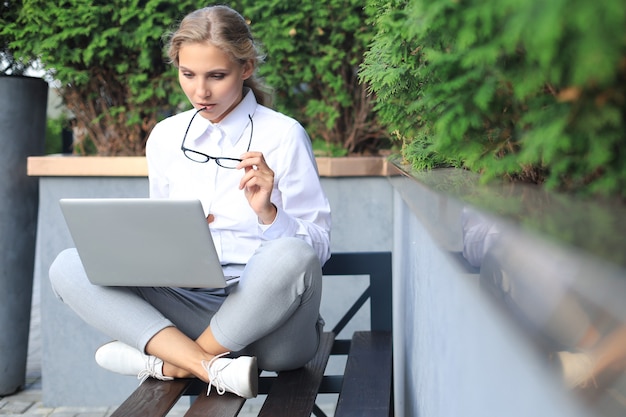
x: 211, y: 79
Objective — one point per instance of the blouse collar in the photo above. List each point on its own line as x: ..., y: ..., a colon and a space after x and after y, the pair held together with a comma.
x: 233, y: 125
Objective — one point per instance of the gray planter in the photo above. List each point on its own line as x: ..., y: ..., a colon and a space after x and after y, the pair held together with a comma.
x: 23, y: 102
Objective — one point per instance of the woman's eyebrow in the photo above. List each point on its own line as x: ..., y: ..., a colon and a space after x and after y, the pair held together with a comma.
x: 213, y: 71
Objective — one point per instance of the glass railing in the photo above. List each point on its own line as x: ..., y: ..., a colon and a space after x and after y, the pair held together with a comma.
x: 555, y: 264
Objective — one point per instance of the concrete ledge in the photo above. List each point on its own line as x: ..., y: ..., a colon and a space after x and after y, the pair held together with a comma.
x: 136, y: 166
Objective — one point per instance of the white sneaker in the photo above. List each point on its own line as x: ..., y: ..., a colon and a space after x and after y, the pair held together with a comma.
x: 239, y: 376
x: 577, y: 369
x: 126, y: 360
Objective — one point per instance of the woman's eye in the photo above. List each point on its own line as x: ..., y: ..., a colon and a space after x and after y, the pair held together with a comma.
x: 187, y: 74
x: 218, y: 76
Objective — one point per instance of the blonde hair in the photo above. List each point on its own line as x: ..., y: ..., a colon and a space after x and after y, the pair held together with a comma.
x: 227, y: 30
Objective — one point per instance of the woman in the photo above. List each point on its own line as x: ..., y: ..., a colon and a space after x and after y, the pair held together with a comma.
x: 254, y: 172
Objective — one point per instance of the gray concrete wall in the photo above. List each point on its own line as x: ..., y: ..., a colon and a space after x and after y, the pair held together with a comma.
x: 362, y: 221
x: 70, y: 376
x: 456, y: 352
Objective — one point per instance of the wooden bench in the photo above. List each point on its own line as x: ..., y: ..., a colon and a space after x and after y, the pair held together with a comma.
x: 365, y: 389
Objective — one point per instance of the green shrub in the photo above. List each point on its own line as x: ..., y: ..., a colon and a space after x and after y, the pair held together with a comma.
x: 54, y: 134
x: 314, y: 49
x: 108, y: 59
x: 10, y: 65
x: 528, y: 90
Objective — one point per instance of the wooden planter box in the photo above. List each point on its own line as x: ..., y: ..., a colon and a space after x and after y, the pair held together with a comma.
x: 135, y: 166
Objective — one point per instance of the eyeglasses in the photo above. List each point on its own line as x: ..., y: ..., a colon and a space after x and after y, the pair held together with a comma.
x: 224, y: 162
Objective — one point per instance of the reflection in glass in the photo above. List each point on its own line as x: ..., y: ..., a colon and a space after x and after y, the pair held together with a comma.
x: 540, y: 286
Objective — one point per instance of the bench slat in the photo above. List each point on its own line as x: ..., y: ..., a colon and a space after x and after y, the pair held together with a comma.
x: 152, y: 398
x: 293, y: 393
x: 367, y: 381
x: 226, y: 405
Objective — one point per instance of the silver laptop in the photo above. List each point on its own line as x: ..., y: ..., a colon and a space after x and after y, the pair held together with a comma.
x: 144, y: 242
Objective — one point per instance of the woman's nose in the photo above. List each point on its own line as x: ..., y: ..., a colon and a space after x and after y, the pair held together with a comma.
x: 202, y: 89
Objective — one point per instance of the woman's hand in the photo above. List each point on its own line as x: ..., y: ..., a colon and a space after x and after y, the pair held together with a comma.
x: 258, y: 183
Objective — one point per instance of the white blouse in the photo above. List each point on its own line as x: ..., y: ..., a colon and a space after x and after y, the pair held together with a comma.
x: 303, y: 209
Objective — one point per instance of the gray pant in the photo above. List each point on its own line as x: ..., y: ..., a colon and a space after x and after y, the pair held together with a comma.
x: 272, y: 313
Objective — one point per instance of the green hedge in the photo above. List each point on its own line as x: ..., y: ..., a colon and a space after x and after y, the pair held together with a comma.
x: 314, y: 50
x: 109, y: 61
x: 107, y: 57
x: 10, y: 65
x: 529, y: 90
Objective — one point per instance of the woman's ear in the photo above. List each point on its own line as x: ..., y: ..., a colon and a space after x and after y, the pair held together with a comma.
x: 248, y: 69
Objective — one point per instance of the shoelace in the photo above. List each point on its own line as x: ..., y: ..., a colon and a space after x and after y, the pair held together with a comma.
x: 215, y: 375
x: 152, y: 364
